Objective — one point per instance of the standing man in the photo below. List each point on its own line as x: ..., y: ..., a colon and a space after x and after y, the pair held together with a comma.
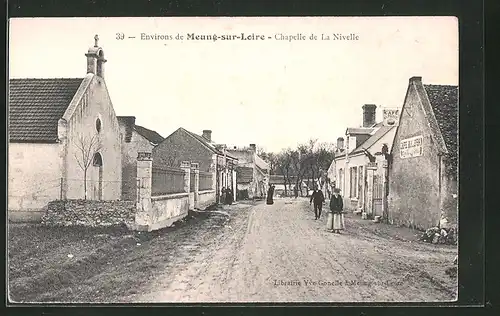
x: 318, y: 198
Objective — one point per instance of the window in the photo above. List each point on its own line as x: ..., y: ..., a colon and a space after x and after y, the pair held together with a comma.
x: 353, y: 193
x: 341, y: 179
x: 97, y: 160
x: 98, y: 125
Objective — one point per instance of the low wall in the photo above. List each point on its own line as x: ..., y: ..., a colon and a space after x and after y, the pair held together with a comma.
x: 26, y: 215
x: 191, y: 201
x: 28, y: 208
x: 206, y: 198
x: 89, y: 213
x: 167, y: 209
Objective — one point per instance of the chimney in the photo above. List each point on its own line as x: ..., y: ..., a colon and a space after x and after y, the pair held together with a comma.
x: 369, y: 115
x: 340, y: 143
x: 415, y: 79
x: 207, y: 134
x: 95, y: 59
x: 253, y: 147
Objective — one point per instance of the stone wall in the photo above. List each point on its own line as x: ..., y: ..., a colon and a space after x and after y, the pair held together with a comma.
x: 89, y: 213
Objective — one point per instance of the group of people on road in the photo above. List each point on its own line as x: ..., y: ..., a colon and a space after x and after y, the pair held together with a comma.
x: 227, y: 196
x: 335, y: 221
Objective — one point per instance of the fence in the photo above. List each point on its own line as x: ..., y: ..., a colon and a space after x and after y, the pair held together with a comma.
x: 167, y: 181
x: 192, y: 186
x: 206, y: 181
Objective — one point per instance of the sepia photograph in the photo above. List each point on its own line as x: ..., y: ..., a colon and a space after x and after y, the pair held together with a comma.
x: 233, y: 160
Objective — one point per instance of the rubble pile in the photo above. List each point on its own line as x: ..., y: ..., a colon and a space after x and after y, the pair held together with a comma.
x: 436, y: 235
x: 89, y: 213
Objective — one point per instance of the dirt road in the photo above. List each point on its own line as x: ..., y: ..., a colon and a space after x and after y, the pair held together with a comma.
x: 279, y: 253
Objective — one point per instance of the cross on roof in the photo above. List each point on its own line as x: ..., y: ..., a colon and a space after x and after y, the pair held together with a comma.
x: 96, y: 38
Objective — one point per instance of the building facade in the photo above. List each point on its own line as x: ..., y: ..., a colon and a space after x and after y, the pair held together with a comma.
x: 423, y: 184
x: 64, y: 140
x: 135, y: 139
x: 252, y: 172
x: 359, y: 168
x: 183, y: 145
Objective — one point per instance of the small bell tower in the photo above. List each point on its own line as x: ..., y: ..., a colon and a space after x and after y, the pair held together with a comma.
x: 95, y: 59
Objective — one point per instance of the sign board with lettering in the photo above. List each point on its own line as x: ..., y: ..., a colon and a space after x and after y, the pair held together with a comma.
x: 391, y: 117
x: 411, y: 147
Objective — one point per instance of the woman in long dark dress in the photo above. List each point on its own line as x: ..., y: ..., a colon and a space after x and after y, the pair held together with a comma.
x: 270, y: 194
x: 229, y: 196
x: 337, y: 208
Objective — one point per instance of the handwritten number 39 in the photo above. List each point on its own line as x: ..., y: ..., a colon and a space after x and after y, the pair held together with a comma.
x: 120, y: 36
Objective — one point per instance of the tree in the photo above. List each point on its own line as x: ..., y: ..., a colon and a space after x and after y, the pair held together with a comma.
x: 272, y: 160
x: 300, y: 159
x: 87, y: 148
x: 172, y: 159
x: 283, y: 162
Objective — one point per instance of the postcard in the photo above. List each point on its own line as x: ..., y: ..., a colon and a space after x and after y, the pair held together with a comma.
x: 233, y: 160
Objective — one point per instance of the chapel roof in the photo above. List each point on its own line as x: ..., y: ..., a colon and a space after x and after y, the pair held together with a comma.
x: 36, y: 105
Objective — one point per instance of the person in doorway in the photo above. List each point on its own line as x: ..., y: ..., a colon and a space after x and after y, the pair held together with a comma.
x: 270, y: 194
x: 318, y: 198
x: 229, y: 196
x: 337, y: 208
x: 223, y: 195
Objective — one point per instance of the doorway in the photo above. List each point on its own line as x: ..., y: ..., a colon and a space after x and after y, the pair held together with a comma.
x: 97, y: 163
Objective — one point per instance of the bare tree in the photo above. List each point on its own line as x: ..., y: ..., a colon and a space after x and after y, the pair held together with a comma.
x: 87, y: 148
x: 272, y: 160
x: 284, y: 164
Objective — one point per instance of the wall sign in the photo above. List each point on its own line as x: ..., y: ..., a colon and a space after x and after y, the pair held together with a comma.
x: 391, y: 117
x: 411, y: 147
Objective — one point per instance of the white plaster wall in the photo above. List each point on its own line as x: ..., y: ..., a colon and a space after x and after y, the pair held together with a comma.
x: 168, y: 209
x: 34, y: 176
x: 95, y: 104
x: 205, y: 199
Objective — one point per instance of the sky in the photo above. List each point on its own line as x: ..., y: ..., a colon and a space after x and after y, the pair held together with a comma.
x: 273, y: 93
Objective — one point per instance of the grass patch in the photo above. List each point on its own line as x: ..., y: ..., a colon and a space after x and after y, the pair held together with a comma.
x: 80, y: 264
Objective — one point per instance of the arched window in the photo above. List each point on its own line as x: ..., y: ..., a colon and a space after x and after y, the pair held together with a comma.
x: 98, y: 125
x: 97, y: 160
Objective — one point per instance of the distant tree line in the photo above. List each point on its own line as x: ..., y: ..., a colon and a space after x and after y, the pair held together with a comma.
x: 309, y: 161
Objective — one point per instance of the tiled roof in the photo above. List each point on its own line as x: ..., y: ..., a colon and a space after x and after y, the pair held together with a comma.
x: 150, y: 135
x: 244, y: 175
x: 444, y: 103
x: 207, y: 144
x: 36, y: 105
x: 128, y: 122
x: 259, y: 162
x: 203, y: 140
x: 373, y: 139
x: 359, y: 130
